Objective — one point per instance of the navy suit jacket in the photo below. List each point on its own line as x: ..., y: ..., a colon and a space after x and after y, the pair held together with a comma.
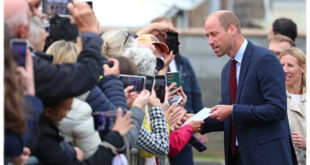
x: 259, y: 114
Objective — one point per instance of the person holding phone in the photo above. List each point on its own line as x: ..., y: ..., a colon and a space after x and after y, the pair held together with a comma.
x: 19, y: 99
x: 190, y: 86
x: 47, y: 75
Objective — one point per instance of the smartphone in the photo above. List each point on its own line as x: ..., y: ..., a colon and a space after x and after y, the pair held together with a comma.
x: 90, y: 4
x: 159, y: 64
x: 51, y: 7
x: 197, y: 144
x: 173, y: 77
x: 160, y: 87
x: 109, y: 63
x: 137, y: 81
x: 19, y: 48
x: 176, y: 99
x: 149, y: 84
x: 104, y: 121
x: 172, y: 42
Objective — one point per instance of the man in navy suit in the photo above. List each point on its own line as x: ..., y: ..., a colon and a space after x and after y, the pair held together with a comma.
x: 252, y: 112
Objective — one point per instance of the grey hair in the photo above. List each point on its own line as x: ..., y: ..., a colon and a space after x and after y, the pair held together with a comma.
x: 35, y: 29
x: 115, y: 42
x: 143, y: 58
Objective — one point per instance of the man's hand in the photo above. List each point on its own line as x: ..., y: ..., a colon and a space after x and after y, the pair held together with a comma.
x: 83, y: 17
x: 114, y: 70
x: 220, y: 112
x: 299, y: 140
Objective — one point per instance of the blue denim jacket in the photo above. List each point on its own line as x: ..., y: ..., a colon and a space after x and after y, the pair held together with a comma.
x: 190, y: 85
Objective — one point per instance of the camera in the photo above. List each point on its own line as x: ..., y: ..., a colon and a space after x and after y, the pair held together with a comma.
x: 110, y: 64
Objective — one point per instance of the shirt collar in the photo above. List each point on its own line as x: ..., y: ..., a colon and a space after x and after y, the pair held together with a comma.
x: 240, y: 53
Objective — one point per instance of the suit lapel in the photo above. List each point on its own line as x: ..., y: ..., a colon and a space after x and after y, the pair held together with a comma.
x: 244, y: 68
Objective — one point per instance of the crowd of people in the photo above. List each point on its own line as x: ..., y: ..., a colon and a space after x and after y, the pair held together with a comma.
x: 67, y: 104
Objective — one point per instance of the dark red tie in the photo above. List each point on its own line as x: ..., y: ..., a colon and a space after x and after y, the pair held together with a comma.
x: 233, y: 93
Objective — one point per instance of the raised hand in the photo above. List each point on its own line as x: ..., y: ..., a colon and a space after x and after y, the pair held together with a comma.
x: 165, y: 105
x: 154, y: 101
x: 83, y: 16
x: 25, y: 76
x: 128, y: 94
x: 123, y: 123
x: 157, y: 28
x: 183, y: 95
x: 114, y: 70
x: 142, y: 99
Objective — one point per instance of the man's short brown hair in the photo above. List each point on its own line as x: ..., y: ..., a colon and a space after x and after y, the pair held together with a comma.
x: 227, y: 18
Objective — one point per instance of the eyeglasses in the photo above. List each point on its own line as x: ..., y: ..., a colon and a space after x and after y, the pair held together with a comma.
x: 127, y: 37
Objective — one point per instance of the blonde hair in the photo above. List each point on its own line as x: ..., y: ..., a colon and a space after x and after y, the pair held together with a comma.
x: 282, y: 38
x: 301, y: 59
x: 64, y: 52
x: 115, y: 42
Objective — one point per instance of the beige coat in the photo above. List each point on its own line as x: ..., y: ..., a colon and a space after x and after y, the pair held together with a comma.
x: 297, y: 120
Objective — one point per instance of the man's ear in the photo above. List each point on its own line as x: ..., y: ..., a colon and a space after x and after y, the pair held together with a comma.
x: 47, y: 111
x: 232, y: 30
x: 21, y: 31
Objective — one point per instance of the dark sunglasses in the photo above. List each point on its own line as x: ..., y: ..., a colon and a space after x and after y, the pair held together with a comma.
x: 127, y: 37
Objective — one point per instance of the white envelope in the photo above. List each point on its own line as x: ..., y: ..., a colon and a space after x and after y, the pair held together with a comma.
x: 201, y: 115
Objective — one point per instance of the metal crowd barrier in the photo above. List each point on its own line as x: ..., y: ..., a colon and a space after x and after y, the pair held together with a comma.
x: 135, y: 159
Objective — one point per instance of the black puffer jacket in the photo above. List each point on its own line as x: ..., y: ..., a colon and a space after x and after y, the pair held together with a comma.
x: 58, y: 82
x: 51, y: 148
x: 108, y: 95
